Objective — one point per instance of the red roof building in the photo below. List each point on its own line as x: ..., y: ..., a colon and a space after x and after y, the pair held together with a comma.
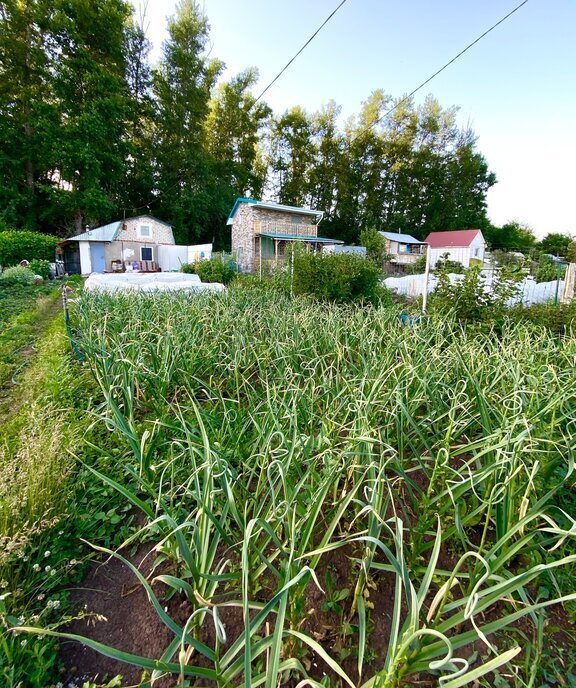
x: 460, y: 237
x: 461, y: 245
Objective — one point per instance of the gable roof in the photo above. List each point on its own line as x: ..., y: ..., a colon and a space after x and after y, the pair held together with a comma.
x: 272, y: 206
x: 400, y: 238
x: 461, y: 238
x: 109, y: 232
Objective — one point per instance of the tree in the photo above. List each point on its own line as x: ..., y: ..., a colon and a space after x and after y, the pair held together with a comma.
x: 513, y: 236
x: 291, y: 156
x: 555, y: 243
x: 375, y: 245
x: 28, y: 116
x: 182, y: 85
x: 90, y: 149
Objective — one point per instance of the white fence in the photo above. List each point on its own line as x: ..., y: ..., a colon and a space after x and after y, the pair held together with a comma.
x: 172, y: 258
x: 529, y: 291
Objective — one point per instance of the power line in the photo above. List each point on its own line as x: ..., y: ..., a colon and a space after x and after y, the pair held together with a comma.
x: 312, y: 37
x: 429, y: 79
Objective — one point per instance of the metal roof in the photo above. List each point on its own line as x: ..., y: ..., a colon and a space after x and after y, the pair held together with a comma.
x: 273, y: 206
x: 104, y: 233
x: 400, y: 238
x: 295, y: 237
x: 110, y: 231
x: 460, y: 238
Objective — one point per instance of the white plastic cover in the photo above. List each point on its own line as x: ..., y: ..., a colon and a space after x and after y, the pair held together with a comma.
x: 149, y: 282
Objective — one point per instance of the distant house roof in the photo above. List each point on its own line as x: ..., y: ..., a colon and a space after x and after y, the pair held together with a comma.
x: 109, y: 232
x: 460, y: 238
x: 400, y: 238
x: 295, y: 237
x: 273, y: 206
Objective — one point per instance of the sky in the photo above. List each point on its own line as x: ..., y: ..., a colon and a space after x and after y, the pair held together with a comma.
x: 516, y: 88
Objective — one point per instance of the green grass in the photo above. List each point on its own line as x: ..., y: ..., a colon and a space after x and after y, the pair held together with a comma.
x: 261, y: 436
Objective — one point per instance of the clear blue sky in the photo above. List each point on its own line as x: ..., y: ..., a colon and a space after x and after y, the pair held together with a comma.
x: 516, y: 88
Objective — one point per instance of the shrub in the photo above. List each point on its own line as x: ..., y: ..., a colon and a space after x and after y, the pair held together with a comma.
x: 548, y: 270
x: 375, y: 245
x: 40, y: 267
x: 213, y: 270
x: 445, y: 264
x: 558, y: 318
x: 469, y: 299
x: 335, y: 277
x: 20, y: 245
x: 17, y: 275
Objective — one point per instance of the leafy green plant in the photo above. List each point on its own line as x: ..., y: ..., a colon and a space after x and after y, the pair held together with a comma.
x: 17, y: 275
x: 23, y: 245
x: 213, y: 270
x: 40, y: 267
x: 335, y: 277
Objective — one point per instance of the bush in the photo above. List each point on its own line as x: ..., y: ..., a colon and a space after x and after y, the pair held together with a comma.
x: 20, y: 245
x: 375, y: 245
x: 558, y: 318
x: 40, y: 267
x: 469, y: 299
x: 336, y: 277
x: 213, y: 270
x: 548, y: 270
x: 17, y: 275
x: 446, y: 265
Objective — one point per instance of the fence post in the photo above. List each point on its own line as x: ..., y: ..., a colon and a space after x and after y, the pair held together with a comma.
x: 426, y: 276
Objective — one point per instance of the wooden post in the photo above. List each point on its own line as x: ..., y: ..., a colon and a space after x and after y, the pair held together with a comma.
x: 426, y: 277
x: 275, y: 253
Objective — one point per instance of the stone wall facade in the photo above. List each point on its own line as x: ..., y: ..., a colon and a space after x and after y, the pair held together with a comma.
x: 128, y: 243
x: 161, y: 233
x: 249, y: 219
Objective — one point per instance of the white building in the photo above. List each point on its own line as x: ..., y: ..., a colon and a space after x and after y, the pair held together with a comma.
x: 462, y: 246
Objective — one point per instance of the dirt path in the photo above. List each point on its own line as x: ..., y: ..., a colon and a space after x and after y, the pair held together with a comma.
x: 48, y: 308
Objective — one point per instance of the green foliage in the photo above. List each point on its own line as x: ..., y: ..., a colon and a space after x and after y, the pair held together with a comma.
x: 571, y: 252
x: 444, y: 264
x: 548, y: 270
x: 335, y: 277
x: 375, y: 245
x: 40, y: 267
x: 90, y: 130
x: 213, y: 270
x: 555, y: 243
x: 559, y: 318
x: 21, y: 245
x: 17, y: 276
x: 513, y: 236
x: 469, y: 299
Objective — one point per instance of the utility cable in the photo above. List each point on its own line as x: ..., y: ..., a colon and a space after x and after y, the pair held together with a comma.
x: 312, y: 37
x: 439, y: 71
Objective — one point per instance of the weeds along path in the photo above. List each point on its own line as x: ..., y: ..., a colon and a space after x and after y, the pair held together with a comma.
x: 18, y: 344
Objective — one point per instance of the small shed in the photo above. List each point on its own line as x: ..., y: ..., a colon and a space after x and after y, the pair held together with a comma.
x: 135, y: 242
x: 462, y: 246
x: 403, y: 248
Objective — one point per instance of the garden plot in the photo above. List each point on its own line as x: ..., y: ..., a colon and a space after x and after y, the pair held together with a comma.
x: 334, y: 499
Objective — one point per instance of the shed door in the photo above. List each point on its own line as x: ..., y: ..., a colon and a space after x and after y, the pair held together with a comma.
x: 97, y: 257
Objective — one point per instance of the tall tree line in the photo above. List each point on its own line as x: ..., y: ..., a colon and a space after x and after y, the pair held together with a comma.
x: 90, y: 131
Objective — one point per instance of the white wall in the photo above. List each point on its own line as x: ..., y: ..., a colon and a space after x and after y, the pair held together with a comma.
x: 457, y: 253
x: 85, y: 259
x: 199, y: 252
x: 171, y: 258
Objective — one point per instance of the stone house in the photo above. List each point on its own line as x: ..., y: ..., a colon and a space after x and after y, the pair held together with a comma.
x: 262, y: 231
x: 135, y: 242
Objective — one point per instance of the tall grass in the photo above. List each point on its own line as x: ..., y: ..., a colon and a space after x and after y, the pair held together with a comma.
x: 267, y: 436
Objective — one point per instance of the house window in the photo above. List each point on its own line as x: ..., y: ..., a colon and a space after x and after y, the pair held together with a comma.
x: 476, y: 252
x: 146, y: 253
x: 145, y: 231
